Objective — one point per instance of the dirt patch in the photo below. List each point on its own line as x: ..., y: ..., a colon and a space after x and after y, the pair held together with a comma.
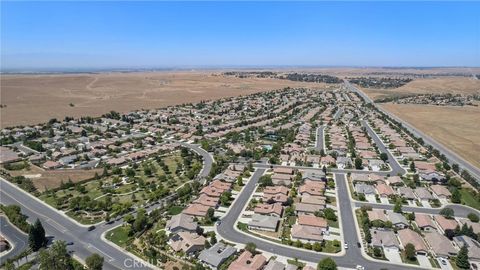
x: 458, y: 128
x: 52, y: 179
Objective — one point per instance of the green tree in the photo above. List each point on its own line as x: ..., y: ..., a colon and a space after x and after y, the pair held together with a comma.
x: 412, y: 166
x: 456, y: 196
x: 410, y: 251
x: 141, y: 220
x: 327, y: 264
x: 36, y: 236
x: 473, y: 217
x: 56, y: 257
x: 240, y: 181
x: 384, y: 157
x: 94, y: 262
x: 447, y: 212
x: 358, y: 163
x: 398, y: 206
x: 329, y: 214
x: 251, y: 247
x: 462, y: 258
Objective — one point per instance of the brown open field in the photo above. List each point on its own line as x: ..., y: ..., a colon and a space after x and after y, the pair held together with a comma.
x: 32, y: 99
x: 453, y: 85
x: 458, y: 128
x: 53, y: 178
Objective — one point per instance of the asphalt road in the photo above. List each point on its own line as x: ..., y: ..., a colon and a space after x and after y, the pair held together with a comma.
x: 18, y: 240
x: 451, y: 156
x: 460, y: 210
x: 319, y: 138
x: 352, y: 257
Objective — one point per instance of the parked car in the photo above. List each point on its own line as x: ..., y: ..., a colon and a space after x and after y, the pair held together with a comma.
x: 345, y: 245
x: 91, y: 228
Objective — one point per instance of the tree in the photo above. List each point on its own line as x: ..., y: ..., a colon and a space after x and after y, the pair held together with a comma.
x: 225, y: 198
x: 358, y: 163
x: 265, y: 181
x: 330, y: 214
x: 141, y: 220
x: 412, y: 167
x: 239, y: 181
x: 456, y: 196
x: 398, y: 206
x: 462, y: 258
x: 377, y: 252
x: 251, y: 247
x: 327, y: 264
x: 473, y: 217
x: 56, y: 257
x: 447, y: 212
x: 384, y: 157
x: 410, y: 251
x: 94, y: 262
x: 36, y: 236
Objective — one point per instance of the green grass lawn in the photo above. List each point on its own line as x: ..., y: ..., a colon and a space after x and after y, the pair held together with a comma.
x: 175, y: 210
x: 331, y: 248
x: 333, y: 224
x: 119, y: 235
x: 469, y: 199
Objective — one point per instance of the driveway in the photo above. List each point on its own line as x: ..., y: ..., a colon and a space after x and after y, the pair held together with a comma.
x: 384, y: 200
x: 424, y: 261
x: 392, y: 255
x: 444, y: 267
x: 425, y: 203
x: 371, y: 198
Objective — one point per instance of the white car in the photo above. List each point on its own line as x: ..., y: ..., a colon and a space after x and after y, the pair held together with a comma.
x: 345, y: 246
x: 359, y: 267
x: 443, y: 261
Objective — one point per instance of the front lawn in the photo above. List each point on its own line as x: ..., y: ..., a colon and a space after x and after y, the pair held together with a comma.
x: 119, y: 235
x: 175, y: 210
x: 469, y: 199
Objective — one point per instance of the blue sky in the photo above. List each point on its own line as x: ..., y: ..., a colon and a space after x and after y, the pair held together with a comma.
x: 179, y: 34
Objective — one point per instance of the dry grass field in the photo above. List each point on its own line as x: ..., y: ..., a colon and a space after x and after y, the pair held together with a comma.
x: 53, y: 178
x: 32, y: 99
x: 453, y: 85
x: 458, y: 128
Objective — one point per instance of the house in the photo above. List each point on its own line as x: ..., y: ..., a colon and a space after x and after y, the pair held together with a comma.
x: 327, y: 160
x: 377, y: 214
x: 246, y: 261
x: 313, y: 176
x: 50, y: 165
x: 394, y: 180
x: 384, y: 239
x: 180, y: 223
x: 216, y: 255
x: 397, y: 219
x: 275, y: 209
x: 282, y: 179
x: 312, y: 188
x: 276, y: 190
x: 277, y: 198
x: 207, y: 201
x: 362, y: 188
x: 313, y: 221
x: 425, y: 222
x: 306, y: 233
x: 432, y: 176
x: 318, y: 200
x: 407, y: 236
x: 304, y: 208
x: 440, y: 245
x: 472, y: 245
x: 8, y: 156
x: 423, y: 194
x: 445, y: 224
x: 406, y: 193
x: 197, y: 210
x: 263, y: 223
x: 187, y: 242
x: 274, y: 265
x: 384, y: 190
x: 212, y: 191
x: 283, y: 170
x: 441, y: 191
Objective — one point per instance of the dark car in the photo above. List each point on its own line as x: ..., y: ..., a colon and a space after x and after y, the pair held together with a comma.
x: 91, y: 228
x: 359, y: 245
